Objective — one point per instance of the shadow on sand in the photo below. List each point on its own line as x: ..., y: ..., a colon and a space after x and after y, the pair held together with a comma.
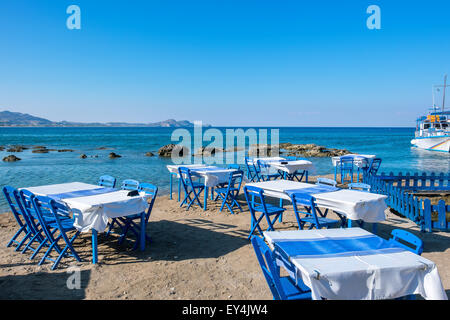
x: 45, y: 285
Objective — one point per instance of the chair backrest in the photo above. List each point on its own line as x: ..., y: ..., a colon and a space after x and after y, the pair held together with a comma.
x: 346, y: 163
x: 26, y: 200
x: 254, y: 196
x: 305, y: 200
x: 252, y: 169
x: 151, y: 190
x: 326, y: 181
x: 268, y: 267
x: 130, y: 184
x: 358, y: 185
x: 36, y: 213
x: 13, y: 199
x: 107, y: 181
x: 374, y: 165
x: 234, y: 166
x: 185, y: 176
x: 407, y: 240
x: 235, y: 180
x: 43, y: 205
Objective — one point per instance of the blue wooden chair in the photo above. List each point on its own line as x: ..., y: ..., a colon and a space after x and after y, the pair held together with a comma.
x: 346, y: 169
x: 264, y: 172
x: 107, y: 181
x: 130, y: 184
x: 229, y: 193
x: 282, y: 288
x: 234, y: 166
x: 57, y: 230
x: 252, y: 170
x: 257, y: 204
x: 407, y: 240
x: 364, y: 188
x: 374, y: 165
x: 326, y: 181
x: 38, y: 234
x: 127, y: 184
x: 359, y: 186
x: 190, y: 188
x: 129, y: 222
x: 13, y: 199
x: 312, y: 216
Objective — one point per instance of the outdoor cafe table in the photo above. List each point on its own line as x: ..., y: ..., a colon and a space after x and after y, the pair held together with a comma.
x: 92, y: 206
x: 359, y: 160
x: 287, y: 167
x: 355, y: 205
x: 353, y: 264
x: 212, y: 175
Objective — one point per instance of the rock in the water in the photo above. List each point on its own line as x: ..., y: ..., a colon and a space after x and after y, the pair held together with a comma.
x: 264, y: 150
x: 44, y: 150
x: 149, y: 154
x: 16, y: 149
x: 208, y: 151
x: 83, y: 156
x: 167, y: 150
x: 65, y: 150
x: 311, y: 150
x: 11, y: 158
x: 113, y: 155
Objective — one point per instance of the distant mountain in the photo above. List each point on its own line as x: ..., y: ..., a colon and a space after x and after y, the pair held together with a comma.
x: 8, y: 118
x: 17, y: 119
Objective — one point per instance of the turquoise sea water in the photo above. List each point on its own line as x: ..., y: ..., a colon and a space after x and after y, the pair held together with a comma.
x: 391, y: 144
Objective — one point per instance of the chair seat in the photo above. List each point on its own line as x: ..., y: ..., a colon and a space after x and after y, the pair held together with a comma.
x: 198, y: 184
x: 224, y: 189
x: 323, y: 221
x: 66, y: 224
x: 271, y: 209
x: 292, y: 291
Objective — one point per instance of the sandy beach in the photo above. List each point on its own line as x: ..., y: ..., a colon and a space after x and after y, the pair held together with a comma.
x: 193, y: 255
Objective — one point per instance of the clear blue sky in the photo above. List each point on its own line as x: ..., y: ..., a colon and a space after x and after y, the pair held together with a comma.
x: 225, y: 62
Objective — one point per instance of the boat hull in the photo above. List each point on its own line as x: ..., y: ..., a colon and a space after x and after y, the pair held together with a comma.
x: 436, y: 143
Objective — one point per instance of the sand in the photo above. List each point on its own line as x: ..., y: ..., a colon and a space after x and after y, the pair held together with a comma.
x: 193, y: 255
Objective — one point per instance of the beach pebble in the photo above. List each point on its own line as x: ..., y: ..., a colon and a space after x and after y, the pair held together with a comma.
x: 83, y: 156
x: 149, y: 154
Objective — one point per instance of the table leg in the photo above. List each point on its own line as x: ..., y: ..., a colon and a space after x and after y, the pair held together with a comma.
x: 306, y: 176
x: 171, y: 175
x: 349, y: 223
x: 335, y: 173
x: 94, y: 247
x: 206, y: 198
x: 280, y: 218
x: 212, y: 194
x: 179, y: 189
x: 143, y: 231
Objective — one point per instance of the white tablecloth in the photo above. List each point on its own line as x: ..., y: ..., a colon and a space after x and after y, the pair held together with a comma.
x: 355, y: 205
x: 292, y: 166
x: 92, y: 212
x: 212, y: 177
x: 359, y: 160
x: 365, y: 276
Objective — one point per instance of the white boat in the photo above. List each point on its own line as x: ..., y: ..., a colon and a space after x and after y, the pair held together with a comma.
x: 433, y: 130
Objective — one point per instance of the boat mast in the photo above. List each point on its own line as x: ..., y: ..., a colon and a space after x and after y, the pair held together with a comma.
x: 443, y: 96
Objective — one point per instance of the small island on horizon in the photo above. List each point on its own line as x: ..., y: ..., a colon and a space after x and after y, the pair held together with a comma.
x: 17, y: 119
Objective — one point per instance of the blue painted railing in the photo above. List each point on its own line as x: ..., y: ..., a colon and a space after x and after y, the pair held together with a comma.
x: 398, y: 187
